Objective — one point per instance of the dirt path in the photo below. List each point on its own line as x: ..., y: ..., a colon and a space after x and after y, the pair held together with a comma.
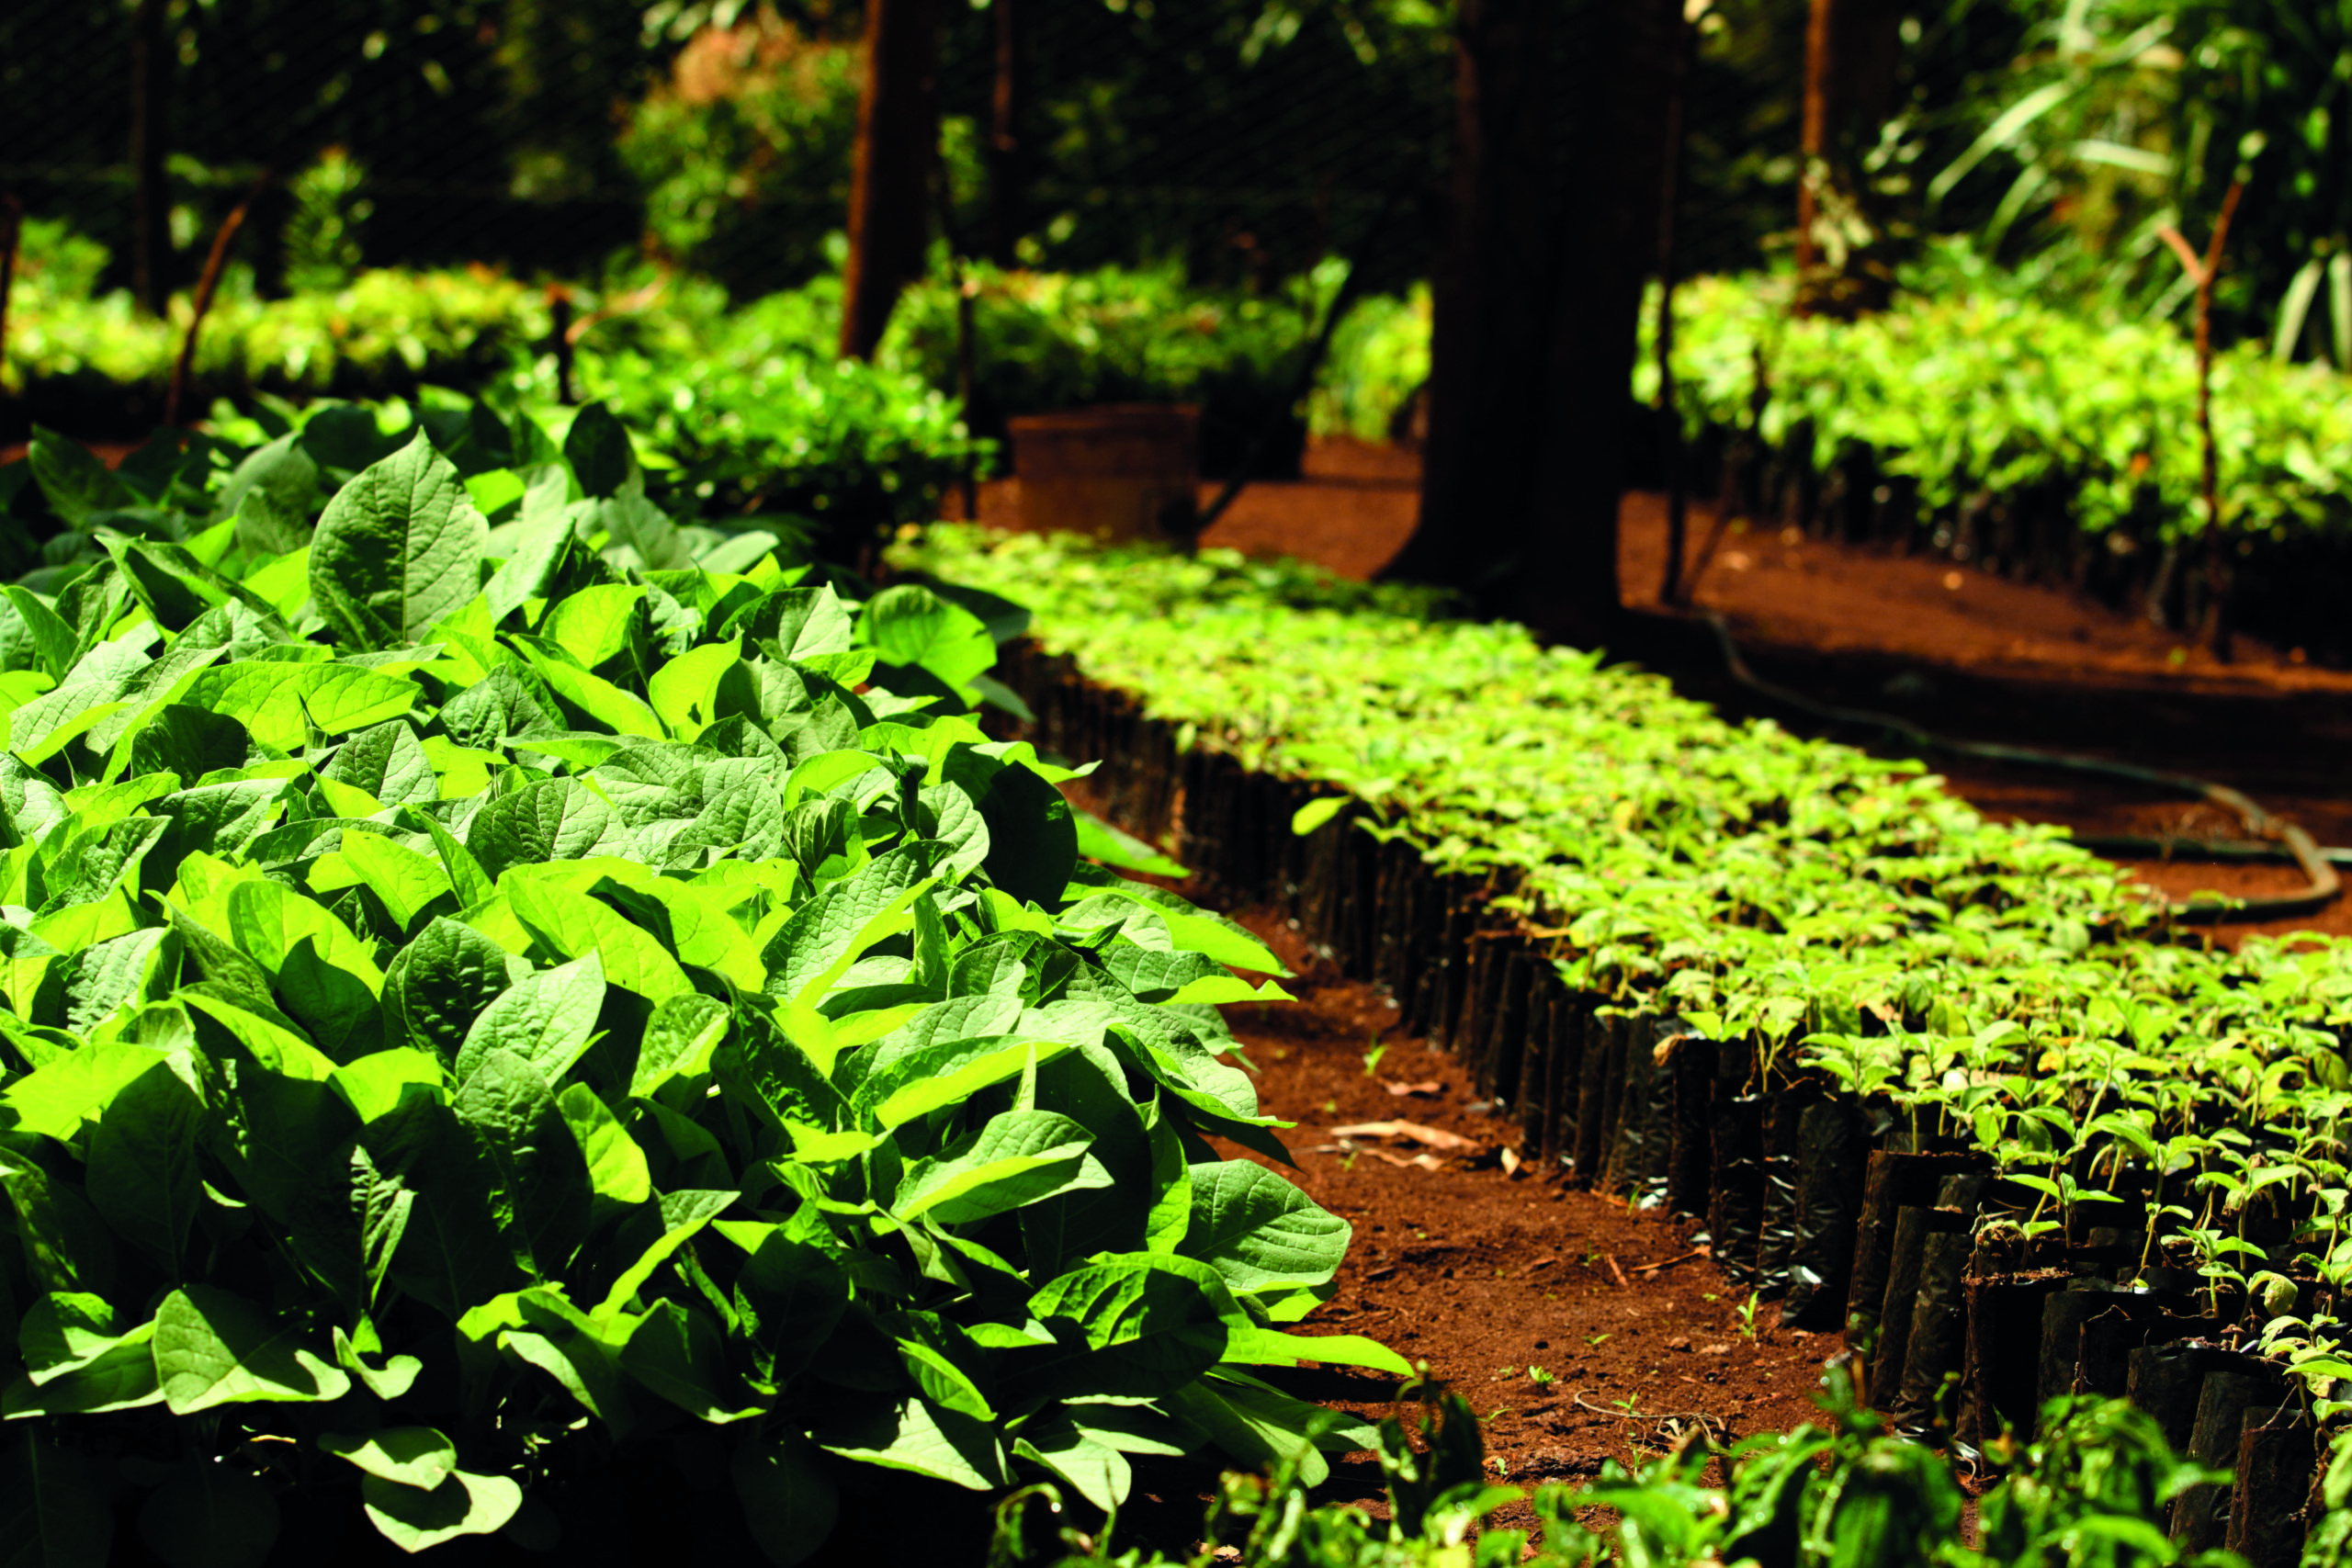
x: 1483, y: 1273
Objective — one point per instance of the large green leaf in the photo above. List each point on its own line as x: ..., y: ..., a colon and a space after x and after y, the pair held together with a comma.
x: 397, y: 548
x: 142, y: 1167
x: 543, y: 1195
x: 910, y: 624
x: 1136, y: 1325
x: 406, y: 1455
x: 1018, y: 1157
x: 928, y: 1440
x: 464, y: 1503
x: 1259, y: 1231
x: 547, y: 1019
x: 441, y: 982
x: 213, y: 1348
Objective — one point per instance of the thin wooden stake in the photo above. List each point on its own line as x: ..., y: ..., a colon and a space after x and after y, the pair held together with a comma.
x: 206, y: 286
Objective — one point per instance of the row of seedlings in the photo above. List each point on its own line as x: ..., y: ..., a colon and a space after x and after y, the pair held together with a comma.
x: 1807, y: 1194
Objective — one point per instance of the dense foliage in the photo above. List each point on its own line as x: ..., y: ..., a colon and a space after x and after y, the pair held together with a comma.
x: 1983, y: 389
x: 1972, y: 979
x: 2090, y: 1489
x: 1378, y: 363
x: 506, y: 987
x: 749, y: 407
x: 70, y: 344
x: 744, y: 152
x: 2118, y: 117
x: 1043, y: 340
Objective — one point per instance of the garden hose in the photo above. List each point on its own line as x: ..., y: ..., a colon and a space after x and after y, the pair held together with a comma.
x: 2271, y: 838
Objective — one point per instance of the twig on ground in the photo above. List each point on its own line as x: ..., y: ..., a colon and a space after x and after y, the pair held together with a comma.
x: 1654, y: 1267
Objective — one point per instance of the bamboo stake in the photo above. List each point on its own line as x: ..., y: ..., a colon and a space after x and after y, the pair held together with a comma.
x: 206, y: 286
x: 2203, y: 271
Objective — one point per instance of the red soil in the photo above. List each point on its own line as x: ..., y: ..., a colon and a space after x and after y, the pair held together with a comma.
x: 1483, y: 1273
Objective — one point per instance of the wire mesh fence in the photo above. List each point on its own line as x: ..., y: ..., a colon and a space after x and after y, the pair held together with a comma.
x: 1244, y: 138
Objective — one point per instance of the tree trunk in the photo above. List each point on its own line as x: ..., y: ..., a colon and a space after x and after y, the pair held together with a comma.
x: 1493, y: 298
x: 1813, y: 135
x: 1616, y: 174
x: 1852, y: 52
x: 151, y: 221
x: 897, y: 142
x: 1006, y: 101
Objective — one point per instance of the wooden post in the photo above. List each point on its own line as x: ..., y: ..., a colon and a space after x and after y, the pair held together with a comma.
x: 2203, y: 271
x: 1678, y: 489
x: 11, y: 231
x: 175, y: 398
x: 1852, y: 51
x: 150, y: 225
x: 1006, y: 161
x: 1813, y: 136
x: 897, y: 135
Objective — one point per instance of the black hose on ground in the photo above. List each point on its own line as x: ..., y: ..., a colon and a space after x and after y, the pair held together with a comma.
x: 2274, y: 837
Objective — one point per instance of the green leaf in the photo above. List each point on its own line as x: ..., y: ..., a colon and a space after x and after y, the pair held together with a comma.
x: 1032, y: 837
x: 53, y: 639
x: 593, y: 624
x: 1100, y: 1473
x: 679, y: 1040
x: 142, y: 1169
x: 268, y: 920
x: 542, y: 1200
x: 213, y: 1348
x: 679, y: 1353
x: 439, y: 983
x: 1098, y: 840
x: 397, y: 548
x: 910, y: 624
x: 547, y: 1019
x: 931, y: 1441
x: 1316, y: 812
x: 278, y: 704
x: 1018, y: 1157
x: 816, y: 947
x: 1259, y: 1231
x: 789, y: 1505
x: 616, y: 1167
x: 209, y: 1516
x: 1131, y: 1324
x: 465, y: 1504
x: 405, y: 1456
x: 789, y: 1297
x: 553, y: 819
x: 1269, y: 1347
x: 597, y: 448
x: 72, y: 479
x: 54, y: 1509
x: 575, y: 925
x: 918, y: 1082
x: 403, y: 879
x: 794, y: 624
x: 387, y: 762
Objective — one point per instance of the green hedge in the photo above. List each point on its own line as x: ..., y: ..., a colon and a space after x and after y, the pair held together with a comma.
x: 1975, y: 981
x: 517, y: 998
